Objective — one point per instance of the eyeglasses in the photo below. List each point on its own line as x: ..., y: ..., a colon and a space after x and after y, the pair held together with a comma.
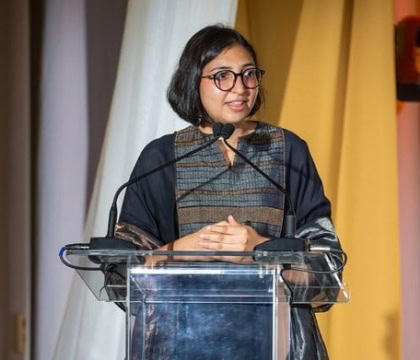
x: 225, y: 80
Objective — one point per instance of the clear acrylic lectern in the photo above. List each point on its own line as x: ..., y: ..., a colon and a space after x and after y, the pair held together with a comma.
x: 175, y: 308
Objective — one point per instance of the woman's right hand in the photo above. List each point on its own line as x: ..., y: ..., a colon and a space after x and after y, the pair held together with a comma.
x: 191, y: 242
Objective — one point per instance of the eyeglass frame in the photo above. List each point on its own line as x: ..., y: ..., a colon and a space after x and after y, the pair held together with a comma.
x: 241, y: 74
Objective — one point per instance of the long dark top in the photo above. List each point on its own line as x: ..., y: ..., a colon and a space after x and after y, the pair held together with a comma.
x: 150, y: 205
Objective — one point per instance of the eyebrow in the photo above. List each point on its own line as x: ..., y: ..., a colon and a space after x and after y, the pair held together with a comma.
x: 230, y: 68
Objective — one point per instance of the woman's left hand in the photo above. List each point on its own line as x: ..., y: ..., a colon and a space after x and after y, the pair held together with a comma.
x: 232, y: 236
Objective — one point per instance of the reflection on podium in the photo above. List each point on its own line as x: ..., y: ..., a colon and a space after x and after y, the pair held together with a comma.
x: 209, y: 310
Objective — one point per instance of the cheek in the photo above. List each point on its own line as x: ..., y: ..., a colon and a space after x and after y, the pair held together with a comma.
x: 254, y: 97
x: 209, y: 95
x: 203, y: 91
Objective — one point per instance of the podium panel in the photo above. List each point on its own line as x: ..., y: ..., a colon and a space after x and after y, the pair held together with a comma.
x: 204, y: 310
x: 209, y: 310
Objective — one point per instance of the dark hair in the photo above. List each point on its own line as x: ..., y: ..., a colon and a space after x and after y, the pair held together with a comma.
x: 183, y: 93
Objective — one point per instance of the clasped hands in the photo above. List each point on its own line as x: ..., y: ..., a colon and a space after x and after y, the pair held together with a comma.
x: 228, y: 235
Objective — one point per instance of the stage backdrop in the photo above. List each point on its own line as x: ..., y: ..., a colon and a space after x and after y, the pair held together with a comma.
x: 155, y: 33
x: 408, y: 125
x: 330, y: 78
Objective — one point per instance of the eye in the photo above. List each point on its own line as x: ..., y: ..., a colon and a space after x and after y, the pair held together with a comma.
x: 222, y: 75
x: 250, y: 73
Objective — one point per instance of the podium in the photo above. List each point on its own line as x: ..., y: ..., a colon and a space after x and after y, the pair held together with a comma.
x: 209, y: 310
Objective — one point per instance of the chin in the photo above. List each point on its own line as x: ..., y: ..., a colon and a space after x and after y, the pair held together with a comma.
x: 235, y: 122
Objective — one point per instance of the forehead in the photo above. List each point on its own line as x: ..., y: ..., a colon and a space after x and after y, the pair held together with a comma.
x: 234, y: 56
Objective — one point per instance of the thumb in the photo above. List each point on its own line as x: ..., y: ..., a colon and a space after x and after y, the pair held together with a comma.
x: 232, y: 220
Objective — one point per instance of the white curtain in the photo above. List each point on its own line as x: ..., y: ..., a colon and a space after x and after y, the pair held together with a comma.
x: 155, y: 33
x: 62, y: 163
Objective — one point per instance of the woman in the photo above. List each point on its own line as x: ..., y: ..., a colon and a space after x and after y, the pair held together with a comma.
x: 212, y: 200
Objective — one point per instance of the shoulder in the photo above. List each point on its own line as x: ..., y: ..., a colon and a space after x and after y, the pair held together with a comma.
x: 165, y: 144
x: 158, y: 146
x: 155, y: 153
x: 162, y: 149
x: 294, y: 143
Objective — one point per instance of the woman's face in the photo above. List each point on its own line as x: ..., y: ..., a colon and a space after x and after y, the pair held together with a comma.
x: 231, y: 106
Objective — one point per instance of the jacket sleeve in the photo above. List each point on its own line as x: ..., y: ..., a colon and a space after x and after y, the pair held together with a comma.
x: 149, y: 205
x: 313, y: 211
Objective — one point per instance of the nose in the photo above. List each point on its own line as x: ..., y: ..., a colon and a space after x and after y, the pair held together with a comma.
x: 239, y: 87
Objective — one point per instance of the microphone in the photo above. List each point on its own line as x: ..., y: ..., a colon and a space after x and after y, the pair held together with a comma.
x: 290, y: 242
x: 220, y: 131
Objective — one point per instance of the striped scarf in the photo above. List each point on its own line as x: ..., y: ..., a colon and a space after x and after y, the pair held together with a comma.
x: 207, y: 190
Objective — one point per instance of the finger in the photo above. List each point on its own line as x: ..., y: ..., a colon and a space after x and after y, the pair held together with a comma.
x: 221, y: 229
x: 232, y: 221
x: 224, y: 222
x: 220, y: 223
x: 222, y: 238
x: 233, y: 230
x: 220, y: 246
x: 210, y: 245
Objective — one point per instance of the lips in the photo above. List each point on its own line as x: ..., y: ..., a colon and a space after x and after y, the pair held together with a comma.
x: 237, y: 104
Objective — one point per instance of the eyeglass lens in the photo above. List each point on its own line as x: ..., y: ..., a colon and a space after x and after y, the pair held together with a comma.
x: 226, y: 79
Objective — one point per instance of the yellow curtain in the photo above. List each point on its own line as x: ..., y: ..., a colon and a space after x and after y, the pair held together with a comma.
x: 330, y: 78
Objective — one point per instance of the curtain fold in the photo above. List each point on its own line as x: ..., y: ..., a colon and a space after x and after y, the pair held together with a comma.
x: 155, y: 34
x: 335, y: 70
x: 408, y: 124
x: 15, y: 187
x: 61, y: 162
